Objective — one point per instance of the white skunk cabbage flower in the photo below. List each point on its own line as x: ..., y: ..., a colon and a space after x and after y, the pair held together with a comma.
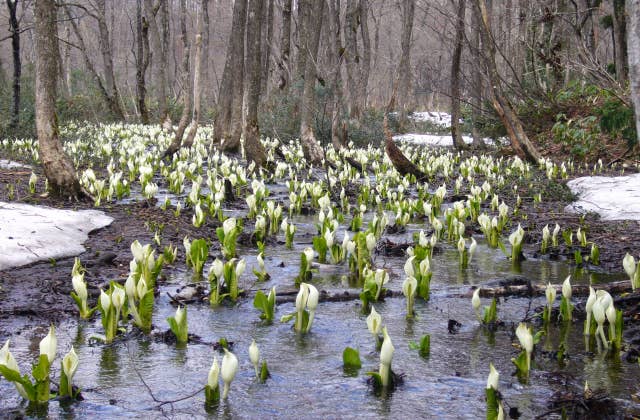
x: 409, y: 286
x: 7, y: 359
x: 312, y: 304
x: 386, y: 356
x: 130, y: 288
x: 526, y: 341
x: 70, y: 364
x: 217, y: 268
x: 566, y: 288
x: 254, y: 356
x: 117, y: 297
x: 475, y: 302
x: 493, y: 378
x: 49, y: 344
x: 308, y: 252
x: 228, y: 370
x: 550, y: 293
x: 408, y: 267
x: 214, y: 372
x: 79, y: 286
x: 371, y: 242
x: 228, y: 225
x: 374, y: 322
x: 141, y: 289
x: 240, y: 267
x: 105, y: 299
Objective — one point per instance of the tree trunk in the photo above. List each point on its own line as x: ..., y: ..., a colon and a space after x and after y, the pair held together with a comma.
x: 619, y: 34
x: 164, y: 50
x: 204, y: 85
x: 310, y: 146
x: 186, y: 85
x: 57, y: 166
x: 253, y: 148
x: 476, y: 100
x: 285, y: 46
x: 365, y: 63
x: 398, y: 159
x: 159, y: 60
x: 351, y: 19
x: 519, y: 139
x: 338, y: 120
x: 197, y: 89
x: 458, y: 143
x: 404, y: 67
x: 266, y: 53
x: 142, y: 62
x: 229, y: 117
x: 107, y: 60
x: 633, y: 42
x: 14, y: 28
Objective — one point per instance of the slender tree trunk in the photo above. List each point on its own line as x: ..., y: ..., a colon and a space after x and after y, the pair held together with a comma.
x: 159, y: 60
x: 164, y: 20
x: 458, y: 143
x: 633, y: 42
x: 253, y: 148
x: 229, y: 116
x: 142, y: 61
x: 14, y: 28
x: 266, y: 53
x: 351, y: 23
x: 107, y: 60
x: 404, y: 67
x: 476, y: 100
x: 338, y: 120
x: 519, y: 139
x: 285, y: 46
x: 186, y: 85
x: 310, y: 146
x: 67, y: 61
x: 619, y: 34
x: 56, y: 164
x: 204, y: 85
x: 197, y: 89
x: 365, y: 63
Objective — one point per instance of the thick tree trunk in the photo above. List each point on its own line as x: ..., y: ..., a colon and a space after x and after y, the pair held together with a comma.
x: 365, y: 62
x: 338, y: 121
x: 285, y: 46
x: 228, y: 122
x: 404, y: 67
x: 107, y: 60
x: 620, y: 38
x: 458, y: 143
x: 159, y: 60
x: 633, y: 42
x: 253, y: 148
x: 398, y: 159
x: 204, y: 85
x: 186, y: 85
x: 476, y: 100
x: 57, y: 166
x: 142, y: 62
x: 310, y: 146
x: 266, y: 53
x: 519, y: 139
x: 14, y: 28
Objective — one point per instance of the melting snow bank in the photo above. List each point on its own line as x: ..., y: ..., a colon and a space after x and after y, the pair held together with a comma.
x: 613, y: 198
x: 36, y: 233
x: 434, y: 140
x: 9, y: 164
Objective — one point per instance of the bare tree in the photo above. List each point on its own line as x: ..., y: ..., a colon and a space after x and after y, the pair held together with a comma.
x: 519, y: 139
x: 404, y: 67
x: 351, y: 23
x: 336, y: 54
x: 458, y: 143
x: 159, y: 59
x: 197, y: 91
x: 228, y: 121
x: 619, y: 34
x: 142, y: 62
x: 14, y: 28
x: 253, y: 148
x: 310, y: 146
x: 285, y: 46
x: 57, y: 166
x: 633, y: 42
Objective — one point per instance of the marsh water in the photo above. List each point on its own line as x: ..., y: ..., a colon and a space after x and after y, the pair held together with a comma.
x: 145, y: 377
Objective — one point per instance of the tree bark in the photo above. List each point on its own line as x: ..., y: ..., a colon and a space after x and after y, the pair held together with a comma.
x: 312, y: 149
x: 197, y: 89
x: 476, y: 99
x: 253, y: 148
x: 57, y: 166
x: 365, y: 63
x: 458, y: 143
x: 266, y: 53
x: 398, y: 159
x: 186, y: 85
x: 14, y: 28
x: 142, y: 62
x: 519, y: 139
x: 107, y: 60
x: 351, y: 24
x: 159, y: 60
x: 204, y: 85
x: 338, y: 121
x: 620, y: 38
x: 228, y: 122
x: 285, y: 46
x: 633, y: 42
x: 404, y: 67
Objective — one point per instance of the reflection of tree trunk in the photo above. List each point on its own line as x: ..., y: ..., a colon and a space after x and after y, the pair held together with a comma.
x: 14, y: 28
x: 619, y: 34
x: 229, y: 117
x: 159, y: 59
x: 252, y: 146
x: 310, y: 146
x: 519, y: 139
x: 57, y: 166
x: 142, y: 62
x: 458, y: 143
x: 404, y: 67
x: 285, y: 45
x: 186, y: 88
x: 633, y: 42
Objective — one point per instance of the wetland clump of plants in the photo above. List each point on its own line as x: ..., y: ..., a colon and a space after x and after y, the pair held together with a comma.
x: 330, y: 290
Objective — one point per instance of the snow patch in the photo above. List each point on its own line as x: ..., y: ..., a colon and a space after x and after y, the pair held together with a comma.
x: 9, y: 164
x: 438, y: 118
x: 613, y: 198
x: 37, y: 233
x: 434, y: 139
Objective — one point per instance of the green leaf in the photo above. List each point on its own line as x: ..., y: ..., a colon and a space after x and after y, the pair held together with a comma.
x: 287, y: 318
x: 351, y: 358
x: 40, y: 370
x: 264, y: 372
x: 425, y: 345
x: 211, y: 395
x: 492, y: 404
x: 146, y: 310
x: 260, y: 301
